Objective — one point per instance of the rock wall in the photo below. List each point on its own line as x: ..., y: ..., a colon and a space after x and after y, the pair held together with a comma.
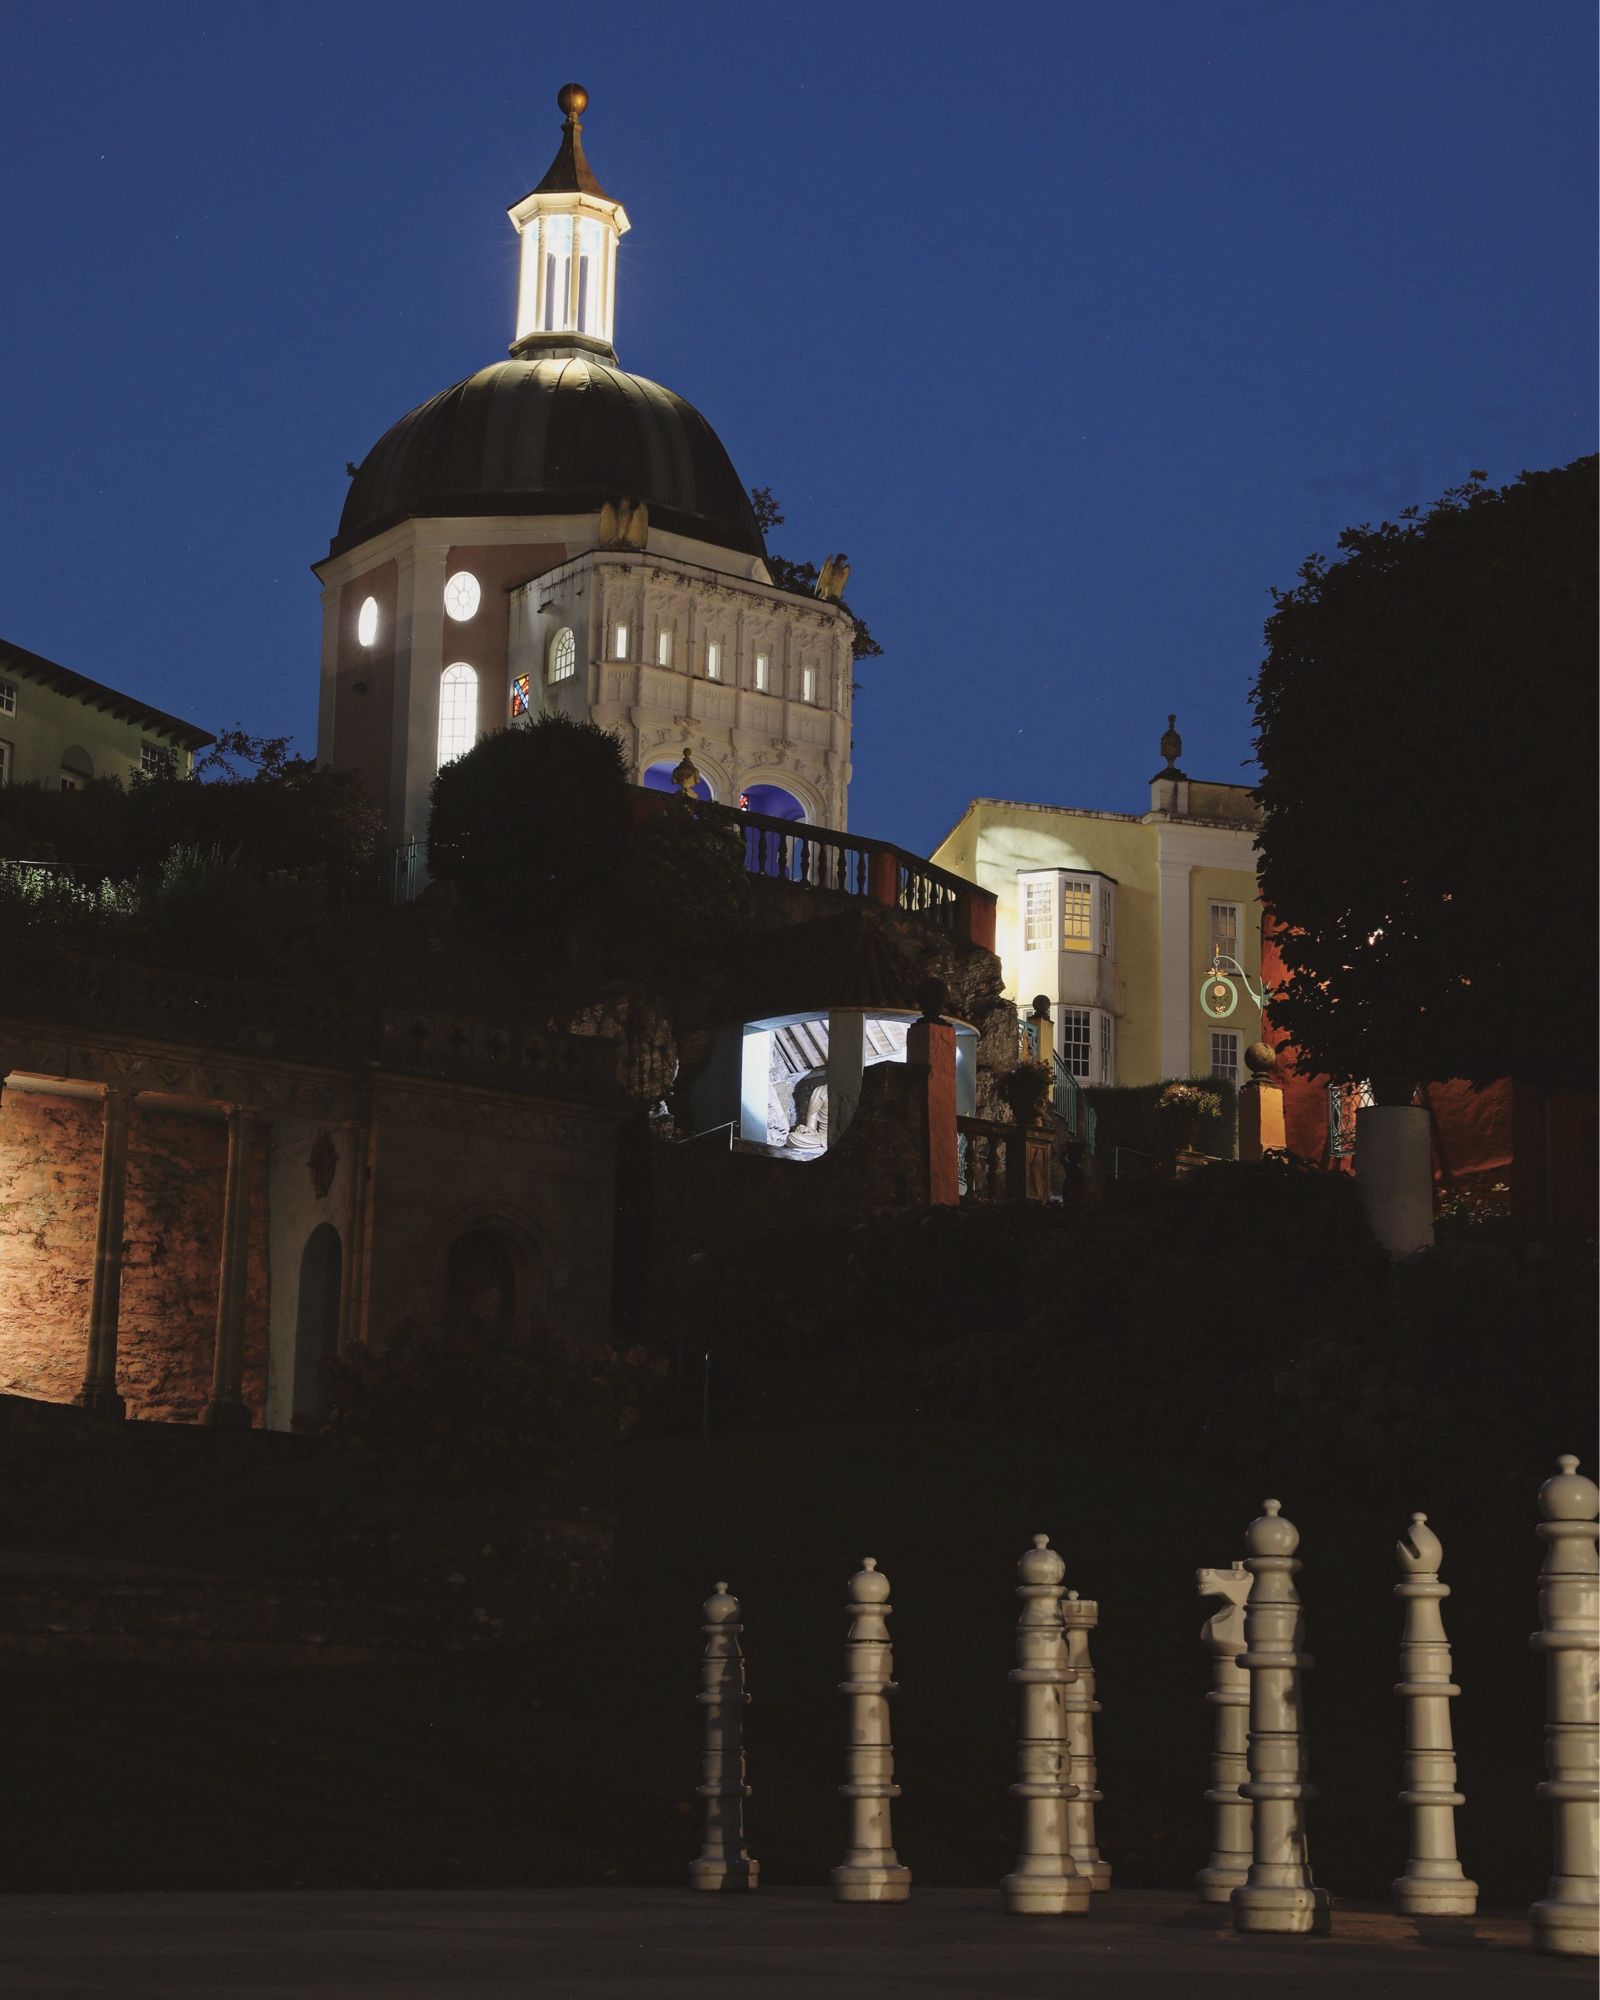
x: 172, y: 1227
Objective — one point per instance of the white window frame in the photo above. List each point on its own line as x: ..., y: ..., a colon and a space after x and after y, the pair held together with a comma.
x: 1225, y: 1041
x: 713, y: 659
x: 155, y: 758
x: 1039, y: 913
x: 1220, y: 933
x: 808, y: 684
x: 1077, y: 899
x: 664, y: 647
x: 8, y: 698
x: 561, y: 660
x: 1069, y: 1042
x: 458, y: 712
x: 7, y: 753
x: 619, y: 637
x: 763, y: 672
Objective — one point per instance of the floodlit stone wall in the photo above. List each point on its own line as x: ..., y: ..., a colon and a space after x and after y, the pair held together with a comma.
x: 49, y: 1185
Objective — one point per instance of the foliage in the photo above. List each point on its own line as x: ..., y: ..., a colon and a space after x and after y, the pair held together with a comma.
x: 1426, y: 724
x: 532, y: 825
x: 687, y: 891
x: 1132, y: 1117
x: 42, y: 903
x: 478, y: 1403
x: 1189, y: 1100
x: 800, y: 578
x: 81, y: 829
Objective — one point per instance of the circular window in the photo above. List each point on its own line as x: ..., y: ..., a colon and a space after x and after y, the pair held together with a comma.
x: 462, y: 596
x: 563, y: 655
x: 367, y: 622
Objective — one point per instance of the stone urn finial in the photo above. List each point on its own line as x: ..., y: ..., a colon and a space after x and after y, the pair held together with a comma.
x: 1171, y: 743
x: 686, y: 775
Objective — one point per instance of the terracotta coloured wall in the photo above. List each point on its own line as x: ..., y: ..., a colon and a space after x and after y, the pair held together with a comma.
x: 49, y: 1181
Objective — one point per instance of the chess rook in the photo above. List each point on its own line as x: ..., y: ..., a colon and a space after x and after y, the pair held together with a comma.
x: 1433, y: 1884
x: 723, y: 1862
x: 1223, y: 1636
x: 1045, y: 1880
x: 1568, y: 1920
x: 1278, y: 1894
x: 1080, y: 1615
x: 870, y: 1871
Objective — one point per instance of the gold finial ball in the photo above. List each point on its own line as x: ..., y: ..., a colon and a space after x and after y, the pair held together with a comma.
x: 573, y: 99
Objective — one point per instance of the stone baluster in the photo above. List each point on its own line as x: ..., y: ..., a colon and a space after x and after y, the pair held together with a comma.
x: 1045, y: 1881
x: 226, y: 1409
x: 1278, y: 1894
x: 1433, y: 1884
x: 1223, y: 1636
x: 723, y: 1862
x: 870, y: 1871
x: 99, y: 1392
x: 1568, y: 1920
x: 1079, y: 1616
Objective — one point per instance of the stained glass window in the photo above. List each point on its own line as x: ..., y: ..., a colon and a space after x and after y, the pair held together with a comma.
x: 520, y: 692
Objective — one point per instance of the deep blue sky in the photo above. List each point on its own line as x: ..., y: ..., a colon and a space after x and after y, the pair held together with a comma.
x: 1078, y: 326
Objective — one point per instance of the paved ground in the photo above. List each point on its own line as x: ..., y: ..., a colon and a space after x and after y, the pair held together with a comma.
x: 548, y: 1944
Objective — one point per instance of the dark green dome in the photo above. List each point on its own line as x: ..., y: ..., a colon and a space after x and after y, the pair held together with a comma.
x: 556, y: 436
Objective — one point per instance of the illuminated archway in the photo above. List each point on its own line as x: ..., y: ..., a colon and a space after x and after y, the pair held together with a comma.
x: 659, y: 779
x: 775, y: 801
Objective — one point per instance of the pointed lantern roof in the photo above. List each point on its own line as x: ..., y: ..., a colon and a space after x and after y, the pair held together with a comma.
x: 569, y: 172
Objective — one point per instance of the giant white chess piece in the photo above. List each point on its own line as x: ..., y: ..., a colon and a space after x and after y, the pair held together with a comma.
x: 870, y: 1871
x: 1080, y: 1615
x: 723, y: 1862
x: 1045, y: 1881
x: 1433, y: 1884
x: 1278, y: 1894
x: 1223, y: 1636
x: 1568, y: 1920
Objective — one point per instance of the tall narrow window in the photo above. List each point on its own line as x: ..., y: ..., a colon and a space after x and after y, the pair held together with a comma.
x: 521, y: 695
x: 1106, y: 942
x: 5, y: 763
x: 763, y: 672
x: 1225, y: 930
x: 619, y: 650
x: 563, y: 662
x: 458, y: 711
x: 1075, y: 1043
x: 1225, y: 1053
x: 557, y: 271
x: 591, y: 261
x: 664, y: 647
x: 808, y: 683
x: 1108, y: 1061
x: 8, y: 698
x: 714, y: 660
x: 1037, y: 927
x: 1077, y: 908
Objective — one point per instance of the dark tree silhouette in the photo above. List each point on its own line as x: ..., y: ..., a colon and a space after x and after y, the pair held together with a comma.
x: 1426, y: 726
x: 801, y: 577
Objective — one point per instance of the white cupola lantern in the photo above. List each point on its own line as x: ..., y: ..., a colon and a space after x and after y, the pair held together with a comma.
x: 569, y: 227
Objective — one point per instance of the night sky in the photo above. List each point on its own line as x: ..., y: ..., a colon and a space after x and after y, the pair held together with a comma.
x: 1077, y: 326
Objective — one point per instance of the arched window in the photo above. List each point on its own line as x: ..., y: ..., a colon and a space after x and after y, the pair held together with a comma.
x: 563, y: 655
x: 316, y: 1325
x: 458, y: 711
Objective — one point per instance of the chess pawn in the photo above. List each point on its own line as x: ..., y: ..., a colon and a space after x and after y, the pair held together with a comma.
x: 1045, y: 1881
x: 1568, y: 1919
x: 870, y: 1871
x: 1080, y: 1615
x: 1223, y: 1636
x: 1433, y: 1884
x: 723, y: 1862
x: 1278, y: 1893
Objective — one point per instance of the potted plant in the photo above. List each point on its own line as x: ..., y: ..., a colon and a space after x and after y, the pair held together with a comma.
x: 1180, y: 1107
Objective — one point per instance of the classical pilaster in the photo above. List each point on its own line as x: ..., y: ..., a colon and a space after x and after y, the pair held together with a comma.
x: 1173, y: 874
x: 226, y: 1409
x: 99, y: 1393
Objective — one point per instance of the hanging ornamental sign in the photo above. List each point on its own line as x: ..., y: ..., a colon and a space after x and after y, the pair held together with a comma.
x: 1219, y: 990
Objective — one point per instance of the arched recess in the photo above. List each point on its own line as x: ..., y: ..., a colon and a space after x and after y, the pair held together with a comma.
x: 776, y: 801
x: 481, y: 1278
x: 316, y: 1321
x: 449, y: 1273
x: 658, y: 778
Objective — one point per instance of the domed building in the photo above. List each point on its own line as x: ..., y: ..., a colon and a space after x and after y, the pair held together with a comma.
x: 552, y: 535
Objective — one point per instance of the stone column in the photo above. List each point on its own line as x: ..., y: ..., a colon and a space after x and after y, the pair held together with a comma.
x: 1433, y: 1884
x: 1079, y: 1616
x: 870, y: 1872
x: 226, y: 1409
x: 722, y: 1862
x: 1568, y: 1920
x: 1278, y: 1895
x: 931, y: 1063
x: 1394, y: 1175
x: 1045, y: 1880
x: 99, y: 1392
x: 846, y: 1059
x: 1223, y: 1636
x: 1261, y: 1124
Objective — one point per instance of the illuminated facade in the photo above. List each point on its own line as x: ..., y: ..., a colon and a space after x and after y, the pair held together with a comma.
x: 553, y: 535
x: 1114, y: 918
x: 61, y: 729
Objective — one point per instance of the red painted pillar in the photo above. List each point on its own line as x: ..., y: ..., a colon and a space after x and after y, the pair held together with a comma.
x: 931, y: 1059
x: 975, y: 910
x: 884, y: 878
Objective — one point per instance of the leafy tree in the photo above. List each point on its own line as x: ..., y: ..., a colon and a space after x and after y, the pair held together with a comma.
x: 533, y: 827
x: 1426, y: 726
x: 801, y: 577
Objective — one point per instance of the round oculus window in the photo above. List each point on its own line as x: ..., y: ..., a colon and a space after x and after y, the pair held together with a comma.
x: 462, y: 596
x: 367, y: 622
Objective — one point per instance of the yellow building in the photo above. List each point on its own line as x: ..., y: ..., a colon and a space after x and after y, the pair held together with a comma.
x: 58, y: 728
x: 1115, y: 918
